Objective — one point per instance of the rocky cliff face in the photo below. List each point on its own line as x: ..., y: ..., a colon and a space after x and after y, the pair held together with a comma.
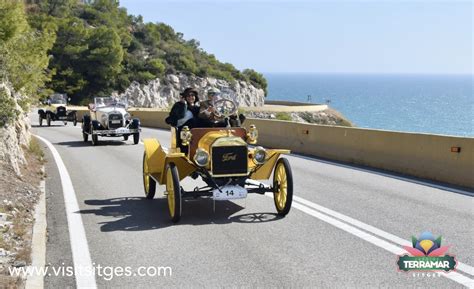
x: 164, y: 93
x: 14, y: 136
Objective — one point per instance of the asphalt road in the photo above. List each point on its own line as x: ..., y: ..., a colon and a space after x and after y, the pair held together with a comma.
x: 243, y: 243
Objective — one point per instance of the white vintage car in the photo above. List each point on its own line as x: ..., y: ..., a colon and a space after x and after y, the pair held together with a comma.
x: 108, y: 117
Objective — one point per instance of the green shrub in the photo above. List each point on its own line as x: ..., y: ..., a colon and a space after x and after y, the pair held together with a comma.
x: 35, y: 148
x: 283, y: 116
x: 8, y: 112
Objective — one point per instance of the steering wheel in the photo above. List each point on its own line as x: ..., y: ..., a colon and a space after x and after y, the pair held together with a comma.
x: 225, y: 107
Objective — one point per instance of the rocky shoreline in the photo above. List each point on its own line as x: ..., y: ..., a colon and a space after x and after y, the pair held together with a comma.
x: 327, y: 116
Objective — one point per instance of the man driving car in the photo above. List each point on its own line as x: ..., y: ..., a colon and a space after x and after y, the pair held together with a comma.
x: 208, y: 117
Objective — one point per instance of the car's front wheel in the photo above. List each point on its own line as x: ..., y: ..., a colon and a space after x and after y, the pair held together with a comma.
x: 74, y: 122
x: 149, y: 184
x: 282, y: 186
x: 173, y: 192
x: 40, y: 120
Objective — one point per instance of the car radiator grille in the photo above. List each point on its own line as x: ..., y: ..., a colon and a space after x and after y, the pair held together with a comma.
x: 61, y: 111
x: 113, y: 118
x: 229, y: 160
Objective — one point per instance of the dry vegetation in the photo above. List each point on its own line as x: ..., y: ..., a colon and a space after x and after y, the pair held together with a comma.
x: 18, y: 197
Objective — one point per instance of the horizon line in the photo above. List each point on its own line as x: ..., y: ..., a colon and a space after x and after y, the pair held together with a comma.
x: 371, y: 73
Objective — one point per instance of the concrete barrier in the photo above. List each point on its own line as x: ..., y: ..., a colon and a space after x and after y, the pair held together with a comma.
x: 421, y: 155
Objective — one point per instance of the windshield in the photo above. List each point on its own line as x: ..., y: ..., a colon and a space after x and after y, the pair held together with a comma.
x: 228, y: 94
x: 110, y: 101
x: 58, y: 99
x: 225, y: 102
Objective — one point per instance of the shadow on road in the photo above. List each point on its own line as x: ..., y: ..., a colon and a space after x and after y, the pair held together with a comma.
x: 81, y: 143
x: 139, y: 214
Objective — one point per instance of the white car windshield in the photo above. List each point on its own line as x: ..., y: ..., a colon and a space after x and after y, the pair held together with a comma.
x: 225, y: 102
x: 109, y: 101
x: 58, y: 99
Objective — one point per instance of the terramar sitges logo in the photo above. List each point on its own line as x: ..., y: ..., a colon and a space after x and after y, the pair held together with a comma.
x: 427, y: 254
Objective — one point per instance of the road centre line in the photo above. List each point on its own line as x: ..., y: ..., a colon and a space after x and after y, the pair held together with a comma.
x: 378, y: 232
x: 77, y: 235
x: 457, y: 277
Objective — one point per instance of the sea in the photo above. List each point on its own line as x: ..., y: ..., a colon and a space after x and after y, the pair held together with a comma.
x: 434, y: 104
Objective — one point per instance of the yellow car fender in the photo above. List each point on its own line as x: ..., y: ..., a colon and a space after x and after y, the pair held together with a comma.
x: 158, y: 158
x: 263, y: 172
x: 154, y: 155
x: 184, y: 166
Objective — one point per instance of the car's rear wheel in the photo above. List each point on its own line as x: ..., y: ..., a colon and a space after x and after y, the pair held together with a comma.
x: 136, y: 138
x: 74, y: 122
x: 85, y: 136
x: 282, y: 186
x: 149, y: 184
x: 40, y: 120
x: 65, y: 123
x: 173, y: 192
x: 48, y: 119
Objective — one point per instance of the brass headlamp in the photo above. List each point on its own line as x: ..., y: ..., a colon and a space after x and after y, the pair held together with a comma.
x: 185, y: 136
x: 252, y: 134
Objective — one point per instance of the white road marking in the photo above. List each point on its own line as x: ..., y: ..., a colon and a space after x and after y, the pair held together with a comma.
x: 77, y: 235
x: 457, y: 277
x: 461, y: 279
x: 395, y: 239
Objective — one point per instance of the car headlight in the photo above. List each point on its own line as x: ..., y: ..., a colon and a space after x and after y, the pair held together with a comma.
x: 201, y: 157
x: 252, y: 135
x: 259, y: 155
x: 185, y: 136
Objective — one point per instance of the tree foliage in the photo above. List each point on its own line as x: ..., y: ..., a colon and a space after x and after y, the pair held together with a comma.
x: 96, y: 47
x: 23, y: 50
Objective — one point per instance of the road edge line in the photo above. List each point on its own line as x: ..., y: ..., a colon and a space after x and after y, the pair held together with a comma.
x: 77, y: 235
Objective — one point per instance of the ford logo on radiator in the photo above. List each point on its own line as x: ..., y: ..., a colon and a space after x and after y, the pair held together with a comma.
x: 229, y: 157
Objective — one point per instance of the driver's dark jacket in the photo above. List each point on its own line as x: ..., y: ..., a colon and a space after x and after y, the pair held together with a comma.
x: 178, y: 111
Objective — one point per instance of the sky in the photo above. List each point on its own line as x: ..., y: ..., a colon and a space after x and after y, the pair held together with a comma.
x: 433, y: 37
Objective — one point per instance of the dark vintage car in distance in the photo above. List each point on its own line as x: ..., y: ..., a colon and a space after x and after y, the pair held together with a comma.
x: 57, y: 111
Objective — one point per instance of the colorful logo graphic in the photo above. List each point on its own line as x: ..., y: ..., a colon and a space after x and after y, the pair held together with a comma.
x: 427, y: 254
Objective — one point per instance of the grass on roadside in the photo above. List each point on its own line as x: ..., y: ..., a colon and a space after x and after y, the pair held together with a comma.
x: 35, y: 148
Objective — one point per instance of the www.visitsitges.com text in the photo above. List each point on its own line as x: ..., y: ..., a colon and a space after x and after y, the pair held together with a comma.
x: 105, y: 272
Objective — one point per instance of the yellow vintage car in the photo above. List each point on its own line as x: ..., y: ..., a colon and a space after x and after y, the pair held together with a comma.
x: 226, y: 159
